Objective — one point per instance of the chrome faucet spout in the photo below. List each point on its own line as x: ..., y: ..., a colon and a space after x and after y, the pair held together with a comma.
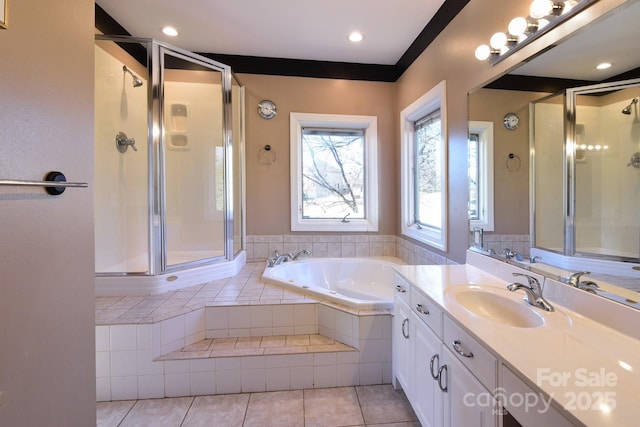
x: 302, y: 252
x: 574, y: 279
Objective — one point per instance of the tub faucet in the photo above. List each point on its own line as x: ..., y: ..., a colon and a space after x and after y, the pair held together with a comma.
x: 302, y: 252
x: 533, y: 292
x: 278, y: 259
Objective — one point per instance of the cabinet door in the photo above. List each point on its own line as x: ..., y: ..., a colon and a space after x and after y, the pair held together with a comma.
x: 466, y: 402
x: 427, y: 397
x: 401, y: 346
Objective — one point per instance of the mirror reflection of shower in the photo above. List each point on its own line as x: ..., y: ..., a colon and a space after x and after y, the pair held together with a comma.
x: 627, y: 110
x: 136, y: 80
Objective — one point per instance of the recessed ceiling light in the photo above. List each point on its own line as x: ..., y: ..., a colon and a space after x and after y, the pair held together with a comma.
x: 169, y: 31
x: 355, y: 37
x: 603, y: 66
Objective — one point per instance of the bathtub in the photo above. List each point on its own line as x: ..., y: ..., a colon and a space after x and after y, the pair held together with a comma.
x: 359, y: 283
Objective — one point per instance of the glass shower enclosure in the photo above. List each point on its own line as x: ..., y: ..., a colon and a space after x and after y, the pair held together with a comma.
x: 585, y: 146
x: 168, y: 160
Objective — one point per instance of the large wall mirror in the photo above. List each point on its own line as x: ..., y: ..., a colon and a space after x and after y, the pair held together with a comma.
x: 578, y: 201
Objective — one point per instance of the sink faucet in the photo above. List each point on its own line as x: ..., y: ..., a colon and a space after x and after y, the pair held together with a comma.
x: 508, y: 253
x: 586, y: 285
x: 533, y: 292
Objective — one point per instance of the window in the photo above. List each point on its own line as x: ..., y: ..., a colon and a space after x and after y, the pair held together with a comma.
x: 333, y: 173
x: 481, y: 175
x: 424, y: 168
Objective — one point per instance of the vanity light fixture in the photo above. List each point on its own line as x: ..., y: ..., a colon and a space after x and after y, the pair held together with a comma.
x: 169, y: 31
x: 544, y: 15
x: 356, y: 37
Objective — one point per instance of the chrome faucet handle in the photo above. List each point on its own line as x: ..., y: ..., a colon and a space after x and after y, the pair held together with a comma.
x: 588, y: 286
x: 533, y: 282
x: 533, y: 259
x: 508, y: 253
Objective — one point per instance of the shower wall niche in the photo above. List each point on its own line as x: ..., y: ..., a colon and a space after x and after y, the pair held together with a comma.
x: 169, y: 194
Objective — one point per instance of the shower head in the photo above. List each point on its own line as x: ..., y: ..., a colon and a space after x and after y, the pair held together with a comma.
x: 627, y: 109
x: 136, y: 80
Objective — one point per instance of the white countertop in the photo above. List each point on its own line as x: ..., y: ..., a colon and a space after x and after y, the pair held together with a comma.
x: 568, y: 344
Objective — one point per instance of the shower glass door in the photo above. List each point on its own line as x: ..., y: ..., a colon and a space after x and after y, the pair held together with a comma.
x: 193, y: 160
x: 607, y: 185
x: 548, y: 172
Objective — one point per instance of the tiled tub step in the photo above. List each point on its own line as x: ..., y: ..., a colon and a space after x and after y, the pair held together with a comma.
x: 257, y: 346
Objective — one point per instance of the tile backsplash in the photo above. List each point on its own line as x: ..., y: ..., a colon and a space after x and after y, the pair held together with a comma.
x: 261, y: 247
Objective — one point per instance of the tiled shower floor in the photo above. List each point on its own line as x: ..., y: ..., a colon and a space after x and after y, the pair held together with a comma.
x: 329, y: 407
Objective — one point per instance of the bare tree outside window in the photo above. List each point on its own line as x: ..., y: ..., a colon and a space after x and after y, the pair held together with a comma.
x: 333, y: 182
x: 428, y: 170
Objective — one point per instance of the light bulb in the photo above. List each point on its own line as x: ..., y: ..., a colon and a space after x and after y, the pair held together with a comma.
x: 518, y: 26
x: 498, y: 40
x: 540, y: 8
x: 356, y: 37
x: 170, y: 31
x: 482, y: 52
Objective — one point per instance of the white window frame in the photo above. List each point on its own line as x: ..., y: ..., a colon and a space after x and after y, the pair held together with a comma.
x: 427, y: 103
x: 335, y: 121
x: 484, y: 130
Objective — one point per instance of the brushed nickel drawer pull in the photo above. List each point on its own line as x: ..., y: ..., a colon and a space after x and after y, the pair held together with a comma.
x: 457, y: 346
x: 421, y: 309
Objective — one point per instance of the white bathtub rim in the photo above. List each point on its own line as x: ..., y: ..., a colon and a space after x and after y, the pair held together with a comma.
x: 331, y: 296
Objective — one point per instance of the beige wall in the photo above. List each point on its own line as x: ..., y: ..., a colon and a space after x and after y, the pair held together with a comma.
x: 451, y: 57
x: 268, y: 186
x: 511, y: 187
x: 47, y: 315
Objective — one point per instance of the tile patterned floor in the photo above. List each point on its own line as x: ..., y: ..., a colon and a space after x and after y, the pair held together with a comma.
x: 255, y: 346
x: 379, y: 406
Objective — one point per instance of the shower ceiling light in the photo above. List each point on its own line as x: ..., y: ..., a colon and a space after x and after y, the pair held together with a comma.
x: 544, y: 15
x: 169, y: 31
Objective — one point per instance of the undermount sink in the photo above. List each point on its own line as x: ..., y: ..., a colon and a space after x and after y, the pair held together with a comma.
x: 496, y: 305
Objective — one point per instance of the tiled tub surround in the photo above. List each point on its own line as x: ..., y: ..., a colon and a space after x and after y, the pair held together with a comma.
x: 129, y: 362
x: 261, y: 247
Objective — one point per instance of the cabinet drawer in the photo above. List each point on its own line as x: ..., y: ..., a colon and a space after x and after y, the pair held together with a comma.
x: 529, y: 416
x: 402, y: 288
x: 476, y: 358
x: 427, y: 311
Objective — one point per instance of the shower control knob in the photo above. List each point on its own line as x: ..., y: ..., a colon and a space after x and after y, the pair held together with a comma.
x: 122, y: 142
x: 635, y: 161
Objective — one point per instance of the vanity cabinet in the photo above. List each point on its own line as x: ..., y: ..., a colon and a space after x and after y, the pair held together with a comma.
x: 427, y: 401
x: 442, y: 389
x: 530, y: 416
x: 401, y: 338
x: 466, y: 401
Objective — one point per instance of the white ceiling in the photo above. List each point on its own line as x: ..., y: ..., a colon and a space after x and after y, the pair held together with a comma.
x: 295, y: 29
x: 614, y: 39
